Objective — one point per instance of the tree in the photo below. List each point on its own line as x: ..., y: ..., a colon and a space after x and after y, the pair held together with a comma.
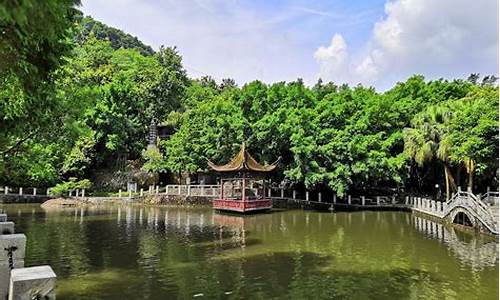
x: 427, y: 140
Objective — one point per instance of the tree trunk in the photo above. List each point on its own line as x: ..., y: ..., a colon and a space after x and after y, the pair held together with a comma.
x: 446, y: 182
x: 450, y: 181
x: 470, y: 170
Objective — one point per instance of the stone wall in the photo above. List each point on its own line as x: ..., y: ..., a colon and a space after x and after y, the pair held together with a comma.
x: 177, y: 200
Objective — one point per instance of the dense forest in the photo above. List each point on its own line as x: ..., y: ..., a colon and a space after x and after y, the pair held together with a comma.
x: 77, y: 96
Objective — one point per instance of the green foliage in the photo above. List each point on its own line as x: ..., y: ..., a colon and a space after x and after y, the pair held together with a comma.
x: 154, y: 160
x: 119, y: 39
x: 62, y: 189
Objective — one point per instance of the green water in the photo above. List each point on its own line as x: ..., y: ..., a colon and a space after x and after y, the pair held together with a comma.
x: 133, y: 252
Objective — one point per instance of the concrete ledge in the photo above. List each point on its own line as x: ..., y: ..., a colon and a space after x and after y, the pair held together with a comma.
x: 32, y: 283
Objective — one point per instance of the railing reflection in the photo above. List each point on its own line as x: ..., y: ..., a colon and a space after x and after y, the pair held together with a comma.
x: 476, y: 251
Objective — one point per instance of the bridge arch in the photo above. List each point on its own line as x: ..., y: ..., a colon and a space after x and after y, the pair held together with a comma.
x: 462, y: 216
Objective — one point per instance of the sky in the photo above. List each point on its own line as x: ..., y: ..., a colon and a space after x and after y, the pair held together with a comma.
x: 372, y: 42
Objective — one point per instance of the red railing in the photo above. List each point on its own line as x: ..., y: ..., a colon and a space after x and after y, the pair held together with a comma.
x: 238, y: 205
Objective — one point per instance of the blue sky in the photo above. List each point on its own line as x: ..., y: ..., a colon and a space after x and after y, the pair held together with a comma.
x: 371, y: 42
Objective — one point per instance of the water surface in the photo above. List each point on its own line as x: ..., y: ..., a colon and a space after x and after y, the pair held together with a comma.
x: 134, y: 252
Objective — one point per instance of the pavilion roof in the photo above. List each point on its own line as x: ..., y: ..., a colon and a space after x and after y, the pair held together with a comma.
x: 243, y: 161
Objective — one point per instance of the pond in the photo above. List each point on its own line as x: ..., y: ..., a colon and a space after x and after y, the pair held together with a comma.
x: 137, y: 252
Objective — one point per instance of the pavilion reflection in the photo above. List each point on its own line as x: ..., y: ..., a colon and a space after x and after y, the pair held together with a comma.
x: 476, y: 251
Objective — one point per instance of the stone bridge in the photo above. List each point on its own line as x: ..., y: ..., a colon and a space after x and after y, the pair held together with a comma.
x: 464, y: 207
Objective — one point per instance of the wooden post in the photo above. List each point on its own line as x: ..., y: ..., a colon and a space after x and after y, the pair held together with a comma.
x: 363, y: 200
x: 34, y: 191
x: 378, y: 200
x: 319, y: 197
x: 221, y: 189
x: 349, y: 199
x: 243, y: 187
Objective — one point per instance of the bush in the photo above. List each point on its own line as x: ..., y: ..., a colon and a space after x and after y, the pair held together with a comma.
x: 64, y: 188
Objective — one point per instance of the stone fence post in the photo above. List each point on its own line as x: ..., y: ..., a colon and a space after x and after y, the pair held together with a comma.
x: 12, y: 253
x: 378, y: 200
x: 282, y: 193
x: 307, y: 196
x: 20, y: 191
x: 349, y: 199
x: 319, y: 197
x: 32, y: 283
x: 6, y: 190
x: 34, y: 191
x: 334, y: 198
x: 363, y: 200
x: 294, y: 194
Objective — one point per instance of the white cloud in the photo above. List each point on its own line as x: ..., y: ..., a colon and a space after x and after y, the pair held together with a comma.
x: 333, y: 58
x: 445, y: 38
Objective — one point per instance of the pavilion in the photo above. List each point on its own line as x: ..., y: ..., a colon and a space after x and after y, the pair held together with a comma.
x: 243, y: 185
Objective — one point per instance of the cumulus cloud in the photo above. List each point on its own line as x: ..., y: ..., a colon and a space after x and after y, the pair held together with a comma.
x: 445, y: 38
x: 333, y: 58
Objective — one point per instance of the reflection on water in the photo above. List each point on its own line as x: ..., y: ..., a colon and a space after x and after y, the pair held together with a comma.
x: 476, y: 251
x: 108, y: 252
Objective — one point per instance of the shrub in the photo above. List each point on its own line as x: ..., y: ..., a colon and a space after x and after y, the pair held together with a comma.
x: 63, y: 188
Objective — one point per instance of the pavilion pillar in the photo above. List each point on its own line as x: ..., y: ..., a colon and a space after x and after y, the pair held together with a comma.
x: 243, y: 184
x: 221, y: 189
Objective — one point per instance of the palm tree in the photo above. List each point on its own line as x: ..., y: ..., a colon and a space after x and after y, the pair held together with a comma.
x: 425, y: 141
